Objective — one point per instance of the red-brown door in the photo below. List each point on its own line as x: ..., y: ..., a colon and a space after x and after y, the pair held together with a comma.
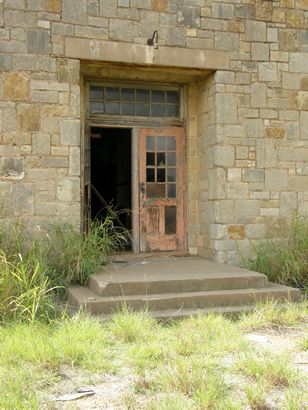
x: 161, y: 189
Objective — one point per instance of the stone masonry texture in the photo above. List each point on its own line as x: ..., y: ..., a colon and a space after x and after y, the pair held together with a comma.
x: 247, y: 126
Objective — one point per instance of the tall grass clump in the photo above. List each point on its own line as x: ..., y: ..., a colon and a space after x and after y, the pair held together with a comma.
x: 72, y: 257
x: 25, y: 290
x: 285, y: 263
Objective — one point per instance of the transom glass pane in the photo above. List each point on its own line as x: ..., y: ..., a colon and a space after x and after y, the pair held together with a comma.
x: 131, y: 101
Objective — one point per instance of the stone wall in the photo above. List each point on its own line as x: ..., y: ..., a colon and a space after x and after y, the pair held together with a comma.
x: 248, y: 154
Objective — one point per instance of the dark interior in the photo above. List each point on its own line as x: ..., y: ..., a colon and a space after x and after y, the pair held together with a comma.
x: 111, y: 173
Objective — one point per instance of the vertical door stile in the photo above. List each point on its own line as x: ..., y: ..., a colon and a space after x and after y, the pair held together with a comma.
x: 87, y: 179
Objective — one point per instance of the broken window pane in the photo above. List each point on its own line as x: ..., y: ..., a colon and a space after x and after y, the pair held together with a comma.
x: 150, y: 159
x: 161, y: 175
x: 150, y: 174
x: 161, y: 159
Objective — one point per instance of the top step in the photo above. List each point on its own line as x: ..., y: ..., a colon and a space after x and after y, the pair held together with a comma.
x: 176, y: 274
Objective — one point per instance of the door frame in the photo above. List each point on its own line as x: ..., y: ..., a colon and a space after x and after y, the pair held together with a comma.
x: 135, y: 173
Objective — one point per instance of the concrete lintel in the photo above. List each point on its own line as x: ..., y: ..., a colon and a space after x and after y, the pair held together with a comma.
x: 111, y: 51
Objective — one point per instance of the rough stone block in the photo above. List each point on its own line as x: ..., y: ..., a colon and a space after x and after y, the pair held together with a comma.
x: 226, y: 108
x: 236, y: 232
x: 68, y: 71
x: 260, y: 52
x: 276, y: 179
x: 74, y: 11
x: 253, y: 175
x: 24, y: 199
x: 227, y: 41
x: 299, y: 62
x: 255, y: 31
x: 189, y: 16
x: 223, y: 211
x: 268, y: 72
x: 275, y: 132
x: 74, y: 161
x: 16, y: 87
x: 11, y: 168
x: 304, y: 125
x: 6, y: 62
x: 298, y: 183
x: 29, y: 117
x: 258, y: 95
x: 68, y: 190
x: 237, y: 190
x: 159, y: 5
x: 222, y: 11
x: 216, y: 179
x: 121, y: 30
x: 40, y: 144
x: 223, y: 156
x: 53, y: 6
x: 288, y: 40
x: 70, y: 132
x: 288, y: 203
x: 37, y: 42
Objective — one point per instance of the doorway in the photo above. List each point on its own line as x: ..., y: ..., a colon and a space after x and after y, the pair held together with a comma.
x: 111, y: 181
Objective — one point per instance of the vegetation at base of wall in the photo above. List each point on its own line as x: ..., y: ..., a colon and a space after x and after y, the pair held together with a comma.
x: 31, y: 273
x: 202, y: 362
x: 285, y: 263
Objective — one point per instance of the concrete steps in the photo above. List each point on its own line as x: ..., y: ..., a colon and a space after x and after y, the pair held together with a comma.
x: 175, y: 287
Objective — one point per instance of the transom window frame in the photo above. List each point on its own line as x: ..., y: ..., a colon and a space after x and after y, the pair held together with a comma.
x: 134, y: 119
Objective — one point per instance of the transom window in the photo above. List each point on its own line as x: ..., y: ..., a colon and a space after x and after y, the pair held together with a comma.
x: 137, y: 102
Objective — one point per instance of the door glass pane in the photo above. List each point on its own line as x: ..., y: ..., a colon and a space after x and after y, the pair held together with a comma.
x: 171, y: 143
x: 161, y: 143
x: 171, y: 174
x: 112, y: 93
x: 171, y: 159
x: 150, y: 174
x: 151, y: 158
x: 170, y: 220
x: 171, y: 191
x: 161, y: 160
x: 143, y: 110
x: 161, y: 175
x: 155, y: 190
x: 128, y: 94
x: 150, y: 143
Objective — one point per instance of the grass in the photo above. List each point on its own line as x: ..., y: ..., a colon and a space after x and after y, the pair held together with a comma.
x: 271, y: 314
x: 202, y: 362
x: 30, y: 274
x: 285, y: 262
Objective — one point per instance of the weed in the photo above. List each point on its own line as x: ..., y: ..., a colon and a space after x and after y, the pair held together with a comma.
x: 256, y: 396
x: 275, y: 370
x: 73, y: 257
x: 303, y: 343
x: 175, y: 401
x: 294, y: 400
x: 132, y: 326
x: 272, y: 314
x: 285, y: 263
x: 24, y: 289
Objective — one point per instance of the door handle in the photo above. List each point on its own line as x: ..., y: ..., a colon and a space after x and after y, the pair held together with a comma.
x: 142, y: 187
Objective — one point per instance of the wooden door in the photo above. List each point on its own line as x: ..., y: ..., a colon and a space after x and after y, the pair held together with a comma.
x: 162, y: 185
